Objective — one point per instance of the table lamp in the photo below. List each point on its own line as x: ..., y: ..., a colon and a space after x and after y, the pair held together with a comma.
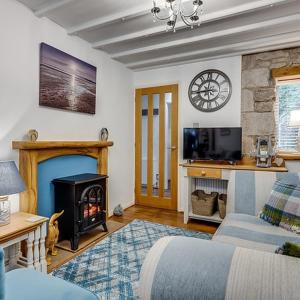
x: 10, y: 183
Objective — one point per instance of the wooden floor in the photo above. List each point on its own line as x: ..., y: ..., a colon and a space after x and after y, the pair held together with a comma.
x: 163, y: 216
x: 86, y: 242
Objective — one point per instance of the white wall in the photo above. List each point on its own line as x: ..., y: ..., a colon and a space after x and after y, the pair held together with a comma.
x: 20, y: 35
x: 229, y: 115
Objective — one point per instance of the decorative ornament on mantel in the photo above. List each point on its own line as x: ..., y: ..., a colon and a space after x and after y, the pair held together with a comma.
x: 190, y: 12
x: 33, y: 135
x: 104, y: 134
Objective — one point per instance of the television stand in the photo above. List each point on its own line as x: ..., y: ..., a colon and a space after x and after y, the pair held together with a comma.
x: 215, y: 176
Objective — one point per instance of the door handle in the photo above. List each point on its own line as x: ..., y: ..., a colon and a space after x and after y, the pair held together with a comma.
x: 172, y: 148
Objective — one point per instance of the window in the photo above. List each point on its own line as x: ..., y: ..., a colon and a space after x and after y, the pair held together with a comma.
x: 287, y: 111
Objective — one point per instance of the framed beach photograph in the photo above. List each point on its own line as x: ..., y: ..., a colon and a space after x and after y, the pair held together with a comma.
x: 66, y: 82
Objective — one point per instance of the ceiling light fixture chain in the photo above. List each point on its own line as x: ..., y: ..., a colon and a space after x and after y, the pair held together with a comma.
x: 169, y: 10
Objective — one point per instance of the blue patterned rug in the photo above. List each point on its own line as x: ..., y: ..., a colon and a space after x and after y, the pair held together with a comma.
x: 111, y: 268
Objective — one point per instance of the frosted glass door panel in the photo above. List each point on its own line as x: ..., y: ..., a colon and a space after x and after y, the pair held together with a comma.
x: 155, y: 180
x: 144, y: 143
x: 168, y: 145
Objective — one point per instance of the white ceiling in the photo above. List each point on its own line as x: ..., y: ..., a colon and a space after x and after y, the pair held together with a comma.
x: 125, y: 29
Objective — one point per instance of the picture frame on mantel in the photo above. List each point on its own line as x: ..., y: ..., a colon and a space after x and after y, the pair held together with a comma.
x: 66, y: 82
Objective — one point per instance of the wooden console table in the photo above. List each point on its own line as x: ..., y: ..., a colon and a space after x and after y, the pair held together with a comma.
x: 33, y: 233
x: 217, y: 171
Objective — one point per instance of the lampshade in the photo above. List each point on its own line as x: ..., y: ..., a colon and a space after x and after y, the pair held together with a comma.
x: 294, y: 118
x: 10, y: 179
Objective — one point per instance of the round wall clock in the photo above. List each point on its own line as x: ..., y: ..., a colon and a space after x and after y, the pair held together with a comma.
x: 210, y: 90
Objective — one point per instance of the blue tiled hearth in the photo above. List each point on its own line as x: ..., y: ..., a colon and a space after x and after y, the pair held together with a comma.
x: 55, y: 168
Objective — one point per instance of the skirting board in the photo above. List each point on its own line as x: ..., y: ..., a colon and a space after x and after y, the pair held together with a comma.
x: 129, y: 204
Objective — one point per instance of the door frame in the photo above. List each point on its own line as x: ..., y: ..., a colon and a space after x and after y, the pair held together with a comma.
x: 148, y: 200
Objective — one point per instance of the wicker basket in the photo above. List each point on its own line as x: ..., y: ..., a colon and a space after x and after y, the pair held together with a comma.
x: 222, y: 201
x: 204, y: 204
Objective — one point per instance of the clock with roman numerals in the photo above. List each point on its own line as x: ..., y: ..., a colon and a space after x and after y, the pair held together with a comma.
x: 210, y: 90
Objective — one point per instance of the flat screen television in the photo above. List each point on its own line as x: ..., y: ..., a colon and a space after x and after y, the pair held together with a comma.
x: 224, y: 144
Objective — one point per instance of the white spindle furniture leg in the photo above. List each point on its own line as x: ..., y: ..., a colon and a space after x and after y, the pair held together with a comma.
x: 19, y: 250
x: 29, y: 250
x: 13, y: 256
x: 43, y: 249
x: 36, y: 249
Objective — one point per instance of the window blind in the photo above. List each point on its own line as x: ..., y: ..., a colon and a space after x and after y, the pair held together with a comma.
x: 288, y: 99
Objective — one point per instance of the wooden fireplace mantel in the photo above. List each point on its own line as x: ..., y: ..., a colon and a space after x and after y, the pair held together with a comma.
x: 24, y: 145
x: 32, y: 153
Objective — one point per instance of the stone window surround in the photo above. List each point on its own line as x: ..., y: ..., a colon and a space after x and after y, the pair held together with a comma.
x: 259, y: 73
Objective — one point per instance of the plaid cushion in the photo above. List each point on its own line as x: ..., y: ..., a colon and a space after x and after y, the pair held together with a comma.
x: 290, y: 218
x: 274, y: 208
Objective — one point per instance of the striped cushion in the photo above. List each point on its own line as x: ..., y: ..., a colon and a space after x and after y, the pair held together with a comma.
x: 273, y: 210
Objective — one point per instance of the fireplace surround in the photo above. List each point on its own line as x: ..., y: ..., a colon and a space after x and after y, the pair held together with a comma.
x: 32, y: 153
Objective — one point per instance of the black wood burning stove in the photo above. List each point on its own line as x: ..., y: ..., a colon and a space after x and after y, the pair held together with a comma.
x: 83, y: 198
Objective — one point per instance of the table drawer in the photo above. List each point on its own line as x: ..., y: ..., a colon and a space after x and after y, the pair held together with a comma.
x: 204, y: 172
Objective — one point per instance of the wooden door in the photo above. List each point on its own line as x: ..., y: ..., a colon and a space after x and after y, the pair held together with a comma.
x: 156, y: 146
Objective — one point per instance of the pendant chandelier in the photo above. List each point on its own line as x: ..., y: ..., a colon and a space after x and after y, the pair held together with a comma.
x: 170, y: 10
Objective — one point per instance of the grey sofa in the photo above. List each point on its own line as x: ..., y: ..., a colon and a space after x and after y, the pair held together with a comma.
x: 238, y: 264
x: 240, y: 261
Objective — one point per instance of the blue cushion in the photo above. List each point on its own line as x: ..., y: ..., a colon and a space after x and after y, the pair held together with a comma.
x: 1, y: 274
x: 28, y: 284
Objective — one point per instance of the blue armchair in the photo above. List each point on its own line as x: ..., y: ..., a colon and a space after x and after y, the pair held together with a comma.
x: 28, y: 284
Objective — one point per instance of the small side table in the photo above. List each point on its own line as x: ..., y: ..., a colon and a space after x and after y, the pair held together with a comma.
x: 33, y: 233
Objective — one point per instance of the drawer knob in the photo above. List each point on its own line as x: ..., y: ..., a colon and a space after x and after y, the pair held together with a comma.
x: 203, y: 173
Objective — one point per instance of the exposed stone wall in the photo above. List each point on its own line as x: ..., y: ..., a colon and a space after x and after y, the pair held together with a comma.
x: 259, y: 92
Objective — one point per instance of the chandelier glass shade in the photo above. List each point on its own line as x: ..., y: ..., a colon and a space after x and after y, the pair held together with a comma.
x: 190, y: 12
